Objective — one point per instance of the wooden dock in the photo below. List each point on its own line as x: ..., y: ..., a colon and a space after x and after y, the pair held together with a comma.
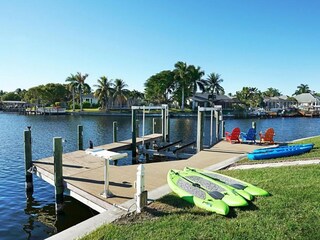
x: 83, y: 173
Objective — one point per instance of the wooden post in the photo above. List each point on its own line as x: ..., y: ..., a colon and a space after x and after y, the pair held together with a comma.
x: 134, y: 136
x: 223, y: 123
x: 168, y: 128
x: 28, y: 163
x: 216, y: 116
x: 115, y: 129
x: 200, y: 131
x: 58, y: 175
x: 141, y: 194
x: 137, y: 128
x: 163, y: 119
x: 80, y: 137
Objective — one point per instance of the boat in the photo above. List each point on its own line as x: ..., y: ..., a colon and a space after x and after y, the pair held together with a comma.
x: 282, y: 151
x: 195, y: 194
x: 237, y: 184
x: 240, y: 192
x: 226, y: 193
x: 283, y: 146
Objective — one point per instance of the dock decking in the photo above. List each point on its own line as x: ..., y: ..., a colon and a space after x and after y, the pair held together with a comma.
x: 84, y: 174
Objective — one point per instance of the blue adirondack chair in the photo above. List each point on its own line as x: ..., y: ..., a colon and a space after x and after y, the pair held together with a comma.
x: 249, y: 136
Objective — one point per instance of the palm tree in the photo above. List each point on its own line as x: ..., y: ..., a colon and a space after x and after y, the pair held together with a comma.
x: 271, y: 92
x: 120, y: 92
x: 77, y: 83
x: 135, y: 96
x: 213, y: 86
x: 104, y: 91
x: 196, y: 74
x: 302, y: 88
x: 181, y: 75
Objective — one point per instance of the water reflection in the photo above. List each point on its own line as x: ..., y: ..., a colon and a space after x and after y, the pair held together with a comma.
x: 36, y: 219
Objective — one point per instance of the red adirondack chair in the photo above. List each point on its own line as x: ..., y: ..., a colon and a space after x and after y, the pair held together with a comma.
x: 233, y: 137
x: 267, y: 137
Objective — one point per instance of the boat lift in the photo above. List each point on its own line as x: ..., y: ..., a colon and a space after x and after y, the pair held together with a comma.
x: 215, y: 114
x: 165, y: 123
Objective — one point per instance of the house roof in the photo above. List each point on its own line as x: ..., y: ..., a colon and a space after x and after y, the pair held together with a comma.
x: 306, y: 98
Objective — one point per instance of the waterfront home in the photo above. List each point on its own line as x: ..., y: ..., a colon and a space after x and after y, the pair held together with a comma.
x: 205, y: 99
x: 308, y: 101
x: 279, y: 103
x: 308, y: 104
x: 90, y: 98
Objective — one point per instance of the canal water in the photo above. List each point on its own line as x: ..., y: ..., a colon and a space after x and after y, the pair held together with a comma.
x: 36, y: 219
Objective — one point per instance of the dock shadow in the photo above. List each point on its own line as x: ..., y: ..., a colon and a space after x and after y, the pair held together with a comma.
x: 64, y: 165
x: 123, y: 184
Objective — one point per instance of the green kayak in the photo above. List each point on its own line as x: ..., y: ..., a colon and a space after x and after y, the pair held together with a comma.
x: 240, y: 186
x: 193, y: 193
x: 226, y: 194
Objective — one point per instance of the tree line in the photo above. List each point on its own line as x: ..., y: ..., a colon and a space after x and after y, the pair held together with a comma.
x: 168, y: 86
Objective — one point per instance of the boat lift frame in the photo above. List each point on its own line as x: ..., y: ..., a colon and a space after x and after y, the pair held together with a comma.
x: 215, y: 113
x: 164, y: 120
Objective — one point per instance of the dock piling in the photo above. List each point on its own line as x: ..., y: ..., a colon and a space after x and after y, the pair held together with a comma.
x: 115, y: 130
x: 134, y: 135
x: 80, y: 137
x: 28, y: 163
x: 58, y: 175
x: 200, y: 131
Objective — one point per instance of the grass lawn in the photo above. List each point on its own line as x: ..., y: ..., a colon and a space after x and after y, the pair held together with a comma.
x: 291, y: 212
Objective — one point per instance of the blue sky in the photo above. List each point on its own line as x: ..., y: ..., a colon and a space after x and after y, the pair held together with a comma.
x: 251, y: 43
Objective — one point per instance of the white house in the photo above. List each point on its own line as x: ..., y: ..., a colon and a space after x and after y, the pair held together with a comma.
x: 308, y: 101
x: 90, y: 98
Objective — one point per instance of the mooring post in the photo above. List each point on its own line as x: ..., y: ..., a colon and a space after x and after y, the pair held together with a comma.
x: 223, y: 134
x: 164, y: 128
x: 80, y: 137
x: 133, y: 130
x: 168, y: 128
x: 200, y: 130
x: 28, y: 163
x: 137, y: 128
x: 58, y: 175
x: 115, y: 130
x: 141, y: 194
x: 216, y: 116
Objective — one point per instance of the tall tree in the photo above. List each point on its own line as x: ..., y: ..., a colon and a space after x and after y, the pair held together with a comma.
x: 182, y: 76
x: 104, y: 91
x: 159, y: 87
x: 77, y: 82
x: 213, y: 85
x: 302, y: 88
x: 120, y: 91
x: 196, y: 74
x: 250, y: 96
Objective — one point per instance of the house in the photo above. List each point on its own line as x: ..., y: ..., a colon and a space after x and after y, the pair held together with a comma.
x: 307, y: 101
x: 90, y: 98
x: 278, y: 103
x: 205, y: 99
